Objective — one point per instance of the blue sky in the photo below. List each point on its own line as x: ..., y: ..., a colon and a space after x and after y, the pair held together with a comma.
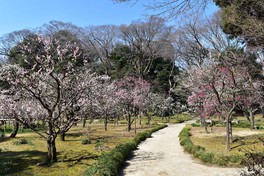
x: 21, y: 14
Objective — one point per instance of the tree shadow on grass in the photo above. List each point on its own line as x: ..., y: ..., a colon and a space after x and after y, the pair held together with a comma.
x: 3, y: 139
x: 15, y: 162
x: 77, y: 158
x: 241, y: 141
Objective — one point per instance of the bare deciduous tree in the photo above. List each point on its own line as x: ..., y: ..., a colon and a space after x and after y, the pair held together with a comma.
x: 101, y: 41
x: 147, y: 41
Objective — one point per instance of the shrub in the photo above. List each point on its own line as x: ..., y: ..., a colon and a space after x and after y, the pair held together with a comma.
x: 22, y: 141
x: 201, y: 153
x: 242, y: 125
x: 109, y: 163
x: 235, y: 159
x: 221, y: 160
x: 196, y: 125
x: 86, y: 141
x: 98, y: 144
x: 206, y: 157
x: 259, y: 127
x: 197, y: 151
x: 182, y: 118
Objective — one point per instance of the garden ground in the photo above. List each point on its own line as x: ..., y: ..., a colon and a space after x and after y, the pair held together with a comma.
x: 74, y: 157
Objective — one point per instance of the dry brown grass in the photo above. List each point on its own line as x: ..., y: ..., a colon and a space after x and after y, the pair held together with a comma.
x: 215, y: 141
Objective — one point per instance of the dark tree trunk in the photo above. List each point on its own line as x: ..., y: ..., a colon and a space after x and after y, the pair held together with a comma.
x: 129, y: 123
x: 105, y: 123
x: 149, y: 118
x: 252, y: 120
x: 16, y: 127
x: 4, y: 125
x: 52, y: 153
x: 228, y: 137
x: 135, y: 124
x: 168, y: 119
x: 203, y: 122
x: 62, y: 136
x: 250, y: 117
x: 84, y: 122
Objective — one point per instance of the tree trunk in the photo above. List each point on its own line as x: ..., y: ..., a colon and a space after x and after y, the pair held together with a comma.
x: 149, y: 118
x: 52, y: 153
x: 16, y: 127
x: 5, y: 125
x: 252, y: 120
x: 84, y: 122
x: 168, y: 119
x: 135, y: 124
x: 228, y: 137
x: 250, y: 117
x: 203, y: 122
x: 129, y: 123
x: 140, y: 121
x: 62, y: 136
x: 105, y: 123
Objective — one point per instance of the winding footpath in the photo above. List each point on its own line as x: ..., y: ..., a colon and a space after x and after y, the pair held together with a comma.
x: 162, y: 155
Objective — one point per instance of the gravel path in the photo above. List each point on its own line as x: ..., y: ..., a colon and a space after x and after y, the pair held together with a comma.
x: 162, y: 155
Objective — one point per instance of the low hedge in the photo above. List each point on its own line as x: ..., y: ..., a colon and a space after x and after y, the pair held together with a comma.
x: 201, y: 153
x: 109, y: 164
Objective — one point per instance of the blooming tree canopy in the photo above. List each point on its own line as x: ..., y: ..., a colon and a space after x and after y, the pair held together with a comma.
x: 221, y: 87
x: 53, y: 89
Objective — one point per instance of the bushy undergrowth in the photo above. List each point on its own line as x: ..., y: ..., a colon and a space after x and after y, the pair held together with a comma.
x: 10, y: 129
x: 196, y: 124
x: 201, y: 153
x: 86, y: 141
x: 242, y: 125
x: 109, y: 163
x: 22, y: 141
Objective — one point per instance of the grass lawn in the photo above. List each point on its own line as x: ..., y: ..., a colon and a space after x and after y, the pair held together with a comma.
x: 244, y: 139
x: 73, y: 156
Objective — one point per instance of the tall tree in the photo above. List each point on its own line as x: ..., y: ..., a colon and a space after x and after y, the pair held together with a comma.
x: 9, y: 41
x: 132, y: 93
x: 199, y: 40
x: 147, y: 41
x: 52, y: 84
x: 160, y: 75
x: 244, y: 19
x: 172, y: 9
x: 101, y: 40
x: 219, y: 88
